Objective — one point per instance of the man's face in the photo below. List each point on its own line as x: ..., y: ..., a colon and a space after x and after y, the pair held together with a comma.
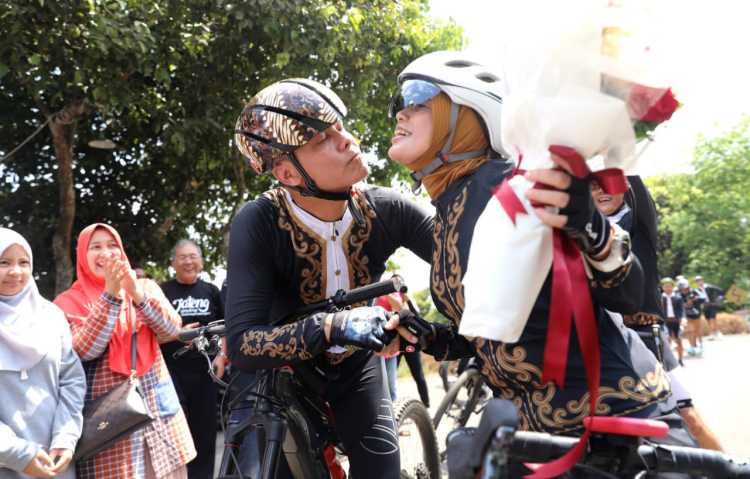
x: 700, y: 283
x: 333, y: 160
x: 668, y: 288
x: 140, y: 273
x: 187, y: 263
x: 607, y: 204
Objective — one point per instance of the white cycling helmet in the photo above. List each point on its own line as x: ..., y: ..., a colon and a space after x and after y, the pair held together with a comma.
x: 467, y: 82
x: 682, y: 284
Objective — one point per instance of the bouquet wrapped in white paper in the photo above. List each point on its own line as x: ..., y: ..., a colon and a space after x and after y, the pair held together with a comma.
x: 565, y: 91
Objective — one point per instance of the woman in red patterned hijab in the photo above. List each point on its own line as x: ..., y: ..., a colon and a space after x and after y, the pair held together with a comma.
x: 102, y: 307
x: 102, y: 266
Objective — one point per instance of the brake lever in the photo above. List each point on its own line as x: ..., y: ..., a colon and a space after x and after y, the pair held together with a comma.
x: 182, y: 351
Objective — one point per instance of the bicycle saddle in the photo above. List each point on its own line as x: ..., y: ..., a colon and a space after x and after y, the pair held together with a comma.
x: 317, y: 373
x: 467, y: 445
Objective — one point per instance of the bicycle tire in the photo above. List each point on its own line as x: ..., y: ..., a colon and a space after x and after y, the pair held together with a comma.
x: 450, y: 407
x: 411, y: 411
x: 468, y: 378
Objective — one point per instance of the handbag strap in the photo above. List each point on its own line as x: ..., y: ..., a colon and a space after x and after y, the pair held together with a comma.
x: 135, y: 344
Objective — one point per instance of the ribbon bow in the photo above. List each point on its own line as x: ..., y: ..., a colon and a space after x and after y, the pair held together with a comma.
x: 571, y: 301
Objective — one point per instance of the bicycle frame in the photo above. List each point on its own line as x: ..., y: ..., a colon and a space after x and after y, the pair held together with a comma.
x: 290, y: 411
x: 293, y: 423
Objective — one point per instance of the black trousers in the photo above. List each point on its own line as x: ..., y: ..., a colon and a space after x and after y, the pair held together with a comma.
x: 362, y: 408
x: 197, y: 393
x: 414, y: 361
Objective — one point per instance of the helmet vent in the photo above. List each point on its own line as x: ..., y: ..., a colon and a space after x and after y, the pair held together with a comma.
x: 459, y: 64
x: 488, y: 78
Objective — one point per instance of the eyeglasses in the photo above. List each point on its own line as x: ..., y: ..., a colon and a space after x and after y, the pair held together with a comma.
x: 191, y: 257
x: 595, y: 186
x: 411, y: 92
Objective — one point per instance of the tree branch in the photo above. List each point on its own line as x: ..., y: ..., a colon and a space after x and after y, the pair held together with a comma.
x: 42, y: 107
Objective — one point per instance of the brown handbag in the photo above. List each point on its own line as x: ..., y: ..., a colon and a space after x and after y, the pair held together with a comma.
x: 113, y: 416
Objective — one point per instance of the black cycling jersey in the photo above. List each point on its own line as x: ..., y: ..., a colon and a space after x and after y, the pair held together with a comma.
x: 277, y: 264
x: 645, y: 232
x: 632, y: 381
x: 692, y: 310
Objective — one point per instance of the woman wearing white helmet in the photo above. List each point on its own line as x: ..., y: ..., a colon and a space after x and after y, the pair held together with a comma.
x: 448, y: 108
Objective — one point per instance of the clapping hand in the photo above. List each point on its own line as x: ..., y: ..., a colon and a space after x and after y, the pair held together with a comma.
x: 129, y: 283
x: 114, y: 272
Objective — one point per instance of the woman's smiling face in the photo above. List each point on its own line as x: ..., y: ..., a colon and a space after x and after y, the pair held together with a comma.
x: 15, y: 270
x: 413, y: 133
x: 102, y: 245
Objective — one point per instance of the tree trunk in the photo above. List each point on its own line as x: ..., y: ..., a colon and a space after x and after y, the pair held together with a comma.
x: 239, y: 173
x: 63, y: 127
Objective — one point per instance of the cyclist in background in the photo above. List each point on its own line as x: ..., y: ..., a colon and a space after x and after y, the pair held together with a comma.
x: 693, y: 300
x: 300, y: 243
x: 414, y: 359
x: 640, y: 219
x: 713, y: 295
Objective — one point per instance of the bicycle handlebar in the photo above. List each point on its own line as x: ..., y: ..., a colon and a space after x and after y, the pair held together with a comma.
x: 212, y: 328
x: 342, y: 299
x: 703, y: 462
x: 541, y: 447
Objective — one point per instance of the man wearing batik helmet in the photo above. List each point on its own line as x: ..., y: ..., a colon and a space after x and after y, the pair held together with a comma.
x: 304, y: 241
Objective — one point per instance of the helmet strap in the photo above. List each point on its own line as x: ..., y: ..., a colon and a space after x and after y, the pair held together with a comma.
x: 444, y: 158
x: 312, y: 190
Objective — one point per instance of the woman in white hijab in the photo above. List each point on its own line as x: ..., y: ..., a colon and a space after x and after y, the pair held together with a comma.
x: 41, y: 378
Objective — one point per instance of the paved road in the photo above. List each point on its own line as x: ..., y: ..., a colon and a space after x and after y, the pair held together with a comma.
x: 717, y: 379
x: 720, y: 384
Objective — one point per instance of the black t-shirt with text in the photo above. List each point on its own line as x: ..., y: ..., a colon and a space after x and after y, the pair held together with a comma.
x: 195, y: 303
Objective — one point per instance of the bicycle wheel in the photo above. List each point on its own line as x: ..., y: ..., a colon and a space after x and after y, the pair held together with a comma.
x: 458, y: 406
x: 416, y: 438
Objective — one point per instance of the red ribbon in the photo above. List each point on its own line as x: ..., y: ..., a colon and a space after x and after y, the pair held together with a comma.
x: 571, y: 301
x: 508, y: 200
x: 612, y: 180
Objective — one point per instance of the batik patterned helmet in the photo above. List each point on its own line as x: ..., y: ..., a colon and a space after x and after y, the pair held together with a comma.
x: 284, y: 117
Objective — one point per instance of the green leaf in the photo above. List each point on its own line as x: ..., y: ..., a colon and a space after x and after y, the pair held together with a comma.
x: 100, y: 94
x: 35, y: 59
x: 282, y: 59
x: 3, y: 69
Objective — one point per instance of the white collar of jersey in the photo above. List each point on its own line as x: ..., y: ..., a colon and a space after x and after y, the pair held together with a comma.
x: 614, y: 219
x: 322, y: 228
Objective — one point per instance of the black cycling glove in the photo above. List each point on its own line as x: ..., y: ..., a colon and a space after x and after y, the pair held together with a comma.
x: 586, y: 225
x: 360, y: 328
x: 424, y: 331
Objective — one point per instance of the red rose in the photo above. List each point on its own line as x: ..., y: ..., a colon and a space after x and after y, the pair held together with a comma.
x: 663, y: 109
x: 651, y: 104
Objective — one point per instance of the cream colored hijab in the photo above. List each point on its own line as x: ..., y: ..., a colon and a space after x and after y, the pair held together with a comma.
x: 25, y: 318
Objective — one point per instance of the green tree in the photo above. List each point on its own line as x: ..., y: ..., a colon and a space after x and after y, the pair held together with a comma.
x: 704, y: 217
x: 427, y: 307
x: 166, y: 82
